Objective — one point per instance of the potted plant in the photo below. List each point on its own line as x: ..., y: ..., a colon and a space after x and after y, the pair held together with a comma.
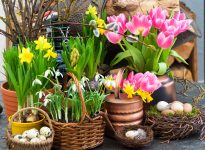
x: 75, y: 112
x: 146, y: 42
x: 21, y: 65
x: 125, y: 106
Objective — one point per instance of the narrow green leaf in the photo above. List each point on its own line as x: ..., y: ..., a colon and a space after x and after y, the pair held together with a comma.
x: 162, y: 68
x: 177, y: 56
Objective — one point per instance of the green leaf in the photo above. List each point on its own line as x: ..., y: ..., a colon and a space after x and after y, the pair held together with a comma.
x: 120, y: 56
x: 177, y: 56
x: 162, y: 68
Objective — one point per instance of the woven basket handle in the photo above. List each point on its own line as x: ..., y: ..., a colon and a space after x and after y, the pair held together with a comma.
x: 83, y: 106
x: 31, y: 108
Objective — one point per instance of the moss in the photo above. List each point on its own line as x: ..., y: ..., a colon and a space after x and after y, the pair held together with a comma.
x: 153, y: 112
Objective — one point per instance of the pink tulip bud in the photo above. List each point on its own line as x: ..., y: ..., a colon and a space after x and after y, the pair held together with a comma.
x: 120, y: 22
x: 140, y: 24
x: 158, y: 17
x: 165, y: 39
x: 171, y: 25
x: 149, y: 82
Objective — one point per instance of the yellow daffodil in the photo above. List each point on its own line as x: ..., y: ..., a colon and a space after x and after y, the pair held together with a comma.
x: 92, y: 11
x: 101, y: 24
x: 146, y: 96
x: 50, y: 54
x: 26, y: 56
x: 129, y: 90
x: 42, y: 44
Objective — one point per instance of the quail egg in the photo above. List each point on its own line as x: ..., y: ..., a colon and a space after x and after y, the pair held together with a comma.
x: 35, y: 140
x: 45, y: 131
x: 33, y: 133
x: 162, y: 105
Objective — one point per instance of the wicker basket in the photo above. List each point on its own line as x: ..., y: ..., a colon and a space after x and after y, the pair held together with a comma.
x: 175, y: 127
x: 86, y: 134
x: 132, y: 143
x: 16, y: 145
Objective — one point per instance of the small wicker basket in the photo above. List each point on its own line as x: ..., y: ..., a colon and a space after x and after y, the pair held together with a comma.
x: 133, y: 143
x: 16, y: 145
x: 87, y: 134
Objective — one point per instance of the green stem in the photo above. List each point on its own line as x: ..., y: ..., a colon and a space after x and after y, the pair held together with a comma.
x: 156, y: 60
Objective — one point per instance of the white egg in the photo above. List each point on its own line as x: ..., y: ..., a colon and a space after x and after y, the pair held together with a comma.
x: 162, y: 105
x: 131, y: 134
x: 33, y: 133
x: 24, y: 135
x: 18, y: 137
x: 23, y: 140
x: 141, y: 134
x: 45, y: 131
x: 177, y: 107
x: 42, y: 138
x: 177, y: 102
x: 35, y: 140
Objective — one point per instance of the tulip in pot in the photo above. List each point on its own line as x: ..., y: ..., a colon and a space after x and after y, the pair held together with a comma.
x: 126, y: 109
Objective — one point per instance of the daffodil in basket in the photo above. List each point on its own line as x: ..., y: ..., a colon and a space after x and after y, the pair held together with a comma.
x: 22, y: 64
x: 125, y: 106
x: 146, y: 42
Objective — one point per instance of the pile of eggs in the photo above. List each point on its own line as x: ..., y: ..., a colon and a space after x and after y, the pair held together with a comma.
x: 174, y: 107
x: 34, y: 136
x: 138, y: 134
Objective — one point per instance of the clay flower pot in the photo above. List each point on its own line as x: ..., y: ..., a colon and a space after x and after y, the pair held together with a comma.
x: 124, y: 112
x: 9, y: 99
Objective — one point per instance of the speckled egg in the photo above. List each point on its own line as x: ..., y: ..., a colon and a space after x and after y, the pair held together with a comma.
x: 167, y: 112
x: 35, y: 140
x: 177, y: 107
x: 45, y: 131
x: 131, y: 134
x: 187, y: 107
x: 33, y: 133
x: 141, y: 134
x: 42, y: 138
x: 162, y: 105
x: 18, y: 137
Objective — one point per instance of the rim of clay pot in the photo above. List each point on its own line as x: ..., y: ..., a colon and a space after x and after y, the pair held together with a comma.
x: 123, y: 99
x: 6, y: 91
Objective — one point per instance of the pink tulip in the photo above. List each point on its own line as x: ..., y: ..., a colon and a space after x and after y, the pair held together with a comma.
x: 140, y: 24
x: 171, y: 25
x: 165, y: 39
x: 158, y: 17
x: 120, y: 22
x: 149, y: 82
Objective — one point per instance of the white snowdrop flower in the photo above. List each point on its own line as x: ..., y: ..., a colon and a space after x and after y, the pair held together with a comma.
x: 46, y: 101
x: 96, y: 32
x: 40, y: 94
x: 57, y: 74
x: 98, y: 77
x: 47, y: 73
x: 132, y: 39
x: 36, y: 81
x: 73, y: 87
x: 92, y: 23
x: 83, y: 81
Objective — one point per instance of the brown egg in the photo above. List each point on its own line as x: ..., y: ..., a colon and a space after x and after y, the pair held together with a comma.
x: 177, y: 107
x: 187, y: 107
x: 167, y: 112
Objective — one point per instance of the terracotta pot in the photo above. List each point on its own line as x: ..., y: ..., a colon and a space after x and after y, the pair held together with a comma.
x: 124, y: 112
x: 9, y: 99
x: 166, y: 92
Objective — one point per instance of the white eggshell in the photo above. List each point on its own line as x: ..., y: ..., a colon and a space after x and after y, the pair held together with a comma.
x: 187, y: 108
x: 24, y: 135
x: 45, y: 131
x: 23, y: 140
x: 35, y: 140
x: 177, y: 107
x: 42, y: 138
x: 162, y: 105
x: 18, y: 137
x: 33, y: 133
x: 131, y: 134
x: 178, y: 102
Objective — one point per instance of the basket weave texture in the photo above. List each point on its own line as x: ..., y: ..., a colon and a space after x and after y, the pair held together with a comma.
x: 16, y: 145
x: 86, y: 134
x: 175, y: 127
x: 132, y: 143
